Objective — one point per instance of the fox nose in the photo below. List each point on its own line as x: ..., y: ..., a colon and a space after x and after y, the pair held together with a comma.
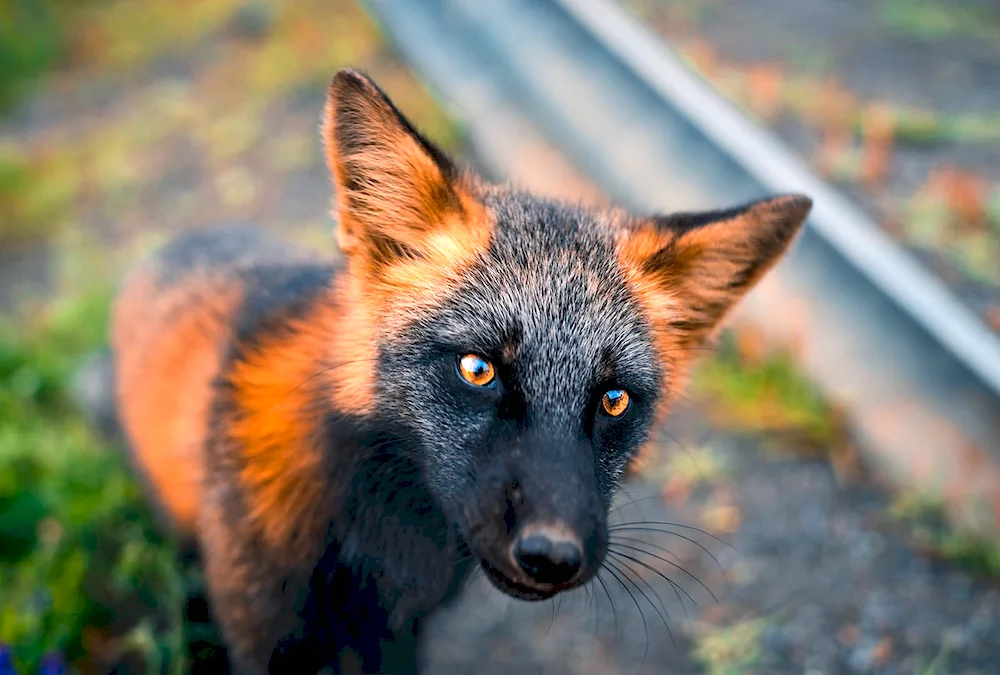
x: 548, y: 555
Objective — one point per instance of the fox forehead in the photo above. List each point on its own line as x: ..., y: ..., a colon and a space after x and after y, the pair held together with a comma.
x: 549, y: 298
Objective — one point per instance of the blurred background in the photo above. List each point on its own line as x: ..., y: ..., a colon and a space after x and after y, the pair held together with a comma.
x: 124, y: 121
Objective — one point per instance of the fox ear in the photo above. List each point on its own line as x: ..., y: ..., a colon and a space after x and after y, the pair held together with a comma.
x: 395, y: 189
x: 694, y: 267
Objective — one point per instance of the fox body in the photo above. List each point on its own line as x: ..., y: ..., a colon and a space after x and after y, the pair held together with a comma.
x: 344, y: 441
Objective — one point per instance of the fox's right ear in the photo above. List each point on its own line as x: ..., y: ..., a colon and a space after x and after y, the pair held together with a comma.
x: 692, y: 268
x: 398, y: 195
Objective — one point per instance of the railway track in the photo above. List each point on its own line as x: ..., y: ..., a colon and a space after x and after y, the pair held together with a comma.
x: 917, y: 374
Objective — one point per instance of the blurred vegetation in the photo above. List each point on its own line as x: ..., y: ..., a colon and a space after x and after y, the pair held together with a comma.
x: 934, y: 19
x: 204, y: 91
x: 82, y: 569
x: 733, y: 650
x: 765, y: 391
x: 84, y: 573
x: 32, y: 40
x: 925, y: 519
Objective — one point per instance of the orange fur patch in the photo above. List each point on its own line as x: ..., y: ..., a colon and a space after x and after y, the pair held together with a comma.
x: 278, y: 427
x: 661, y: 306
x: 688, y: 281
x: 354, y: 348
x: 167, y: 347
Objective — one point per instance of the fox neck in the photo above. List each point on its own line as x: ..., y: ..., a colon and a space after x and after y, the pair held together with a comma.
x: 319, y: 465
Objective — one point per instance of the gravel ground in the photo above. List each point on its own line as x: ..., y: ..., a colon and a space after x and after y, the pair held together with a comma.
x: 936, y: 190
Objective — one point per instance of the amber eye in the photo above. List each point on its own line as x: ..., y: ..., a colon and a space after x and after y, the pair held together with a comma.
x: 476, y: 370
x: 615, y: 402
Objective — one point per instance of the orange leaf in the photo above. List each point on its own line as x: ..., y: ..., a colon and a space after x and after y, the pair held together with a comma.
x: 878, y: 129
x: 764, y: 84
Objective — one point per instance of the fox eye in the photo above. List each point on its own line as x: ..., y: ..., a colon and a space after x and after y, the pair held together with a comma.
x: 615, y: 402
x: 476, y: 370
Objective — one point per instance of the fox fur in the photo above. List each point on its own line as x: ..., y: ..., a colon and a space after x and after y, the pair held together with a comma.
x: 304, y: 421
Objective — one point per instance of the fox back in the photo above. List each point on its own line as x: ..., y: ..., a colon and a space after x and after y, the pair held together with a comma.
x: 345, y: 440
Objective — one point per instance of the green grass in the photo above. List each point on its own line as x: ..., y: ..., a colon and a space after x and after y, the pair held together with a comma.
x: 64, y: 176
x: 937, y: 666
x: 735, y: 650
x: 926, y: 521
x: 36, y: 202
x: 931, y: 224
x: 769, y: 394
x: 81, y: 566
x: 31, y: 42
x: 938, y: 19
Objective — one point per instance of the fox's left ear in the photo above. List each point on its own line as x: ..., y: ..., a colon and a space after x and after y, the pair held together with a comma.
x: 692, y: 268
x: 399, y: 197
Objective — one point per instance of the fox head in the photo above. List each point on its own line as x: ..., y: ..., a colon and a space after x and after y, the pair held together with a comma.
x: 529, y: 345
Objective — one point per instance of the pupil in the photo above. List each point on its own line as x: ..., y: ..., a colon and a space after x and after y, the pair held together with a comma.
x: 475, y: 367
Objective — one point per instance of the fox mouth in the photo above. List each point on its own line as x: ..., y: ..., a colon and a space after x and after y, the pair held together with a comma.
x: 522, y: 591
x: 514, y: 588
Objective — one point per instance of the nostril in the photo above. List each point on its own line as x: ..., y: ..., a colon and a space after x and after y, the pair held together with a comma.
x: 548, y: 561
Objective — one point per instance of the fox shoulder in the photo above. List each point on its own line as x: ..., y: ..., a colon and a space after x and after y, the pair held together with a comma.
x: 172, y: 322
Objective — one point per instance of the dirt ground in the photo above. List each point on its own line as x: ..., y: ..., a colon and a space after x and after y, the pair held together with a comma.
x: 895, y: 100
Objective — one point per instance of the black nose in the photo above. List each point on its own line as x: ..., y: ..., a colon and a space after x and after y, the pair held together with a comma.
x: 548, y: 559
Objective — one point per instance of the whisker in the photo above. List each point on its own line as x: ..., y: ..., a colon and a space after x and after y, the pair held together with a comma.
x: 638, y: 576
x: 588, y: 593
x: 471, y: 578
x: 614, y: 536
x: 661, y: 574
x: 555, y: 610
x: 633, y: 501
x: 674, y: 586
x: 597, y: 613
x: 614, y: 612
x: 636, y: 540
x: 677, y: 588
x: 642, y: 616
x: 622, y: 526
x: 552, y: 618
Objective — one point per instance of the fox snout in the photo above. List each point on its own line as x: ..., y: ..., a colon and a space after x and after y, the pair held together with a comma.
x: 548, y: 554
x: 546, y: 530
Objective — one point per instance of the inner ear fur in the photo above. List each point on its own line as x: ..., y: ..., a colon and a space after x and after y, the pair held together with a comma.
x: 395, y: 190
x: 697, y: 266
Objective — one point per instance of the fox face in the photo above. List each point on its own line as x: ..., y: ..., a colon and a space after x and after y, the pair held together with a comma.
x: 527, y: 346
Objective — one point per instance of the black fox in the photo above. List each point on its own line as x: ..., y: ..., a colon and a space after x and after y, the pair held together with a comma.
x: 344, y: 441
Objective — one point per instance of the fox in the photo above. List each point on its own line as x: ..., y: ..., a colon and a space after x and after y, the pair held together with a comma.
x: 345, y: 439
